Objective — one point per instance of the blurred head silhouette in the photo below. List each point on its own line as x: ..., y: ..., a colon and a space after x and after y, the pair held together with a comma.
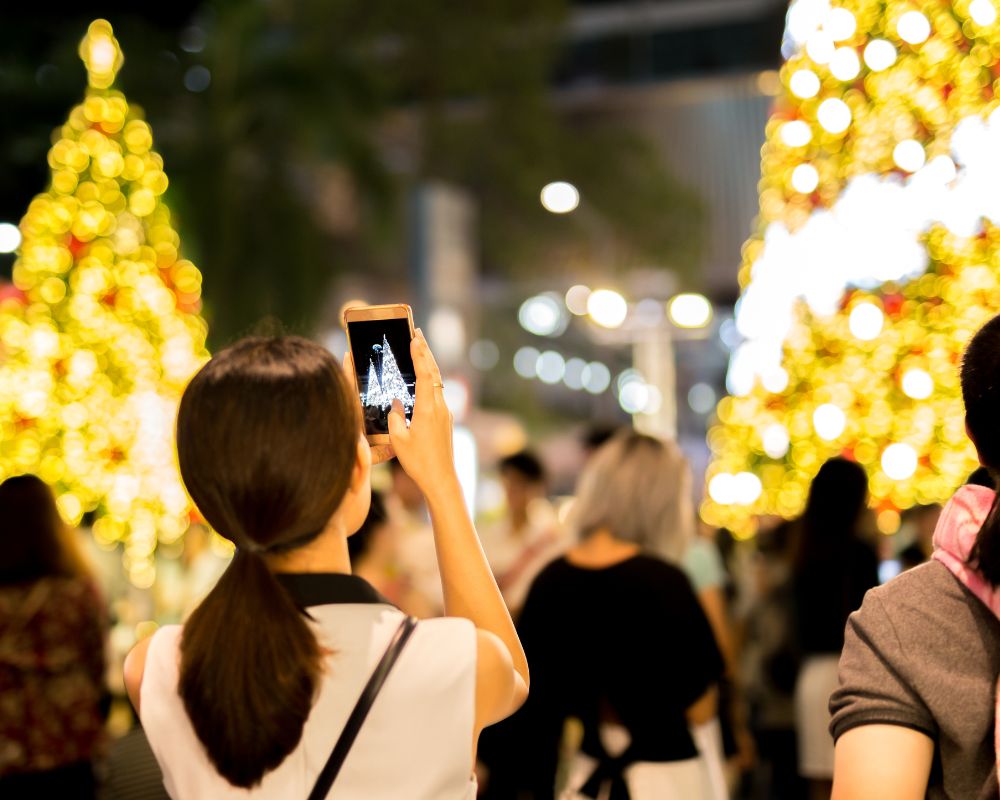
x: 34, y: 541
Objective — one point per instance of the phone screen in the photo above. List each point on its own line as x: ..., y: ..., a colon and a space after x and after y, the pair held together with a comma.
x: 384, y: 369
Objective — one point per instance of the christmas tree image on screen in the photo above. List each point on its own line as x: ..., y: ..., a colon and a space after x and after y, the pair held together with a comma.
x: 385, y: 381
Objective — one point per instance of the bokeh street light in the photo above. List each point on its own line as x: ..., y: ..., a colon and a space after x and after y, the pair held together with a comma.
x: 560, y: 197
x: 607, y: 308
x: 690, y: 310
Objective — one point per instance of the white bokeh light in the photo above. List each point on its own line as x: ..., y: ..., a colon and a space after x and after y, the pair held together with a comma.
x: 560, y: 197
x: 574, y: 373
x: 899, y: 461
x: 746, y: 488
x: 796, y: 133
x: 550, y: 367
x: 834, y: 115
x: 484, y: 354
x: 840, y: 24
x: 804, y: 83
x: 845, y: 64
x: 866, y: 321
x: 722, y: 489
x: 805, y: 178
x: 10, y: 237
x: 607, y: 308
x: 690, y: 310
x: 829, y: 421
x: 576, y: 299
x: 543, y: 315
x: 917, y: 383
x: 596, y: 377
x: 909, y: 155
x: 775, y: 380
x: 526, y: 362
x: 880, y: 54
x: 820, y: 47
x: 983, y: 12
x: 701, y: 398
x: 775, y: 440
x: 633, y: 396
x: 913, y: 27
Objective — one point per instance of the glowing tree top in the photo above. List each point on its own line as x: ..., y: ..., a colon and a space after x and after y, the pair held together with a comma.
x: 874, y: 259
x: 100, y: 332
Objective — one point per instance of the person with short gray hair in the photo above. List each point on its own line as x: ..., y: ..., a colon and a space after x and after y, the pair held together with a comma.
x: 617, y: 639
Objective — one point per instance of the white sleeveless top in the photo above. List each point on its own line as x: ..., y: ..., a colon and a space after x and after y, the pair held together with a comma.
x: 416, y: 743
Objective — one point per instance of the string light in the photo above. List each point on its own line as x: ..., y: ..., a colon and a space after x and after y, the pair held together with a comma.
x: 804, y: 83
x: 102, y: 332
x: 865, y: 287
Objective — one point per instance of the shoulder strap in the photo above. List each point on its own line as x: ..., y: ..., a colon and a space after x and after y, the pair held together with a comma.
x: 361, y: 709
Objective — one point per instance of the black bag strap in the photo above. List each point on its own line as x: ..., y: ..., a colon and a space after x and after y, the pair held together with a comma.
x: 361, y: 709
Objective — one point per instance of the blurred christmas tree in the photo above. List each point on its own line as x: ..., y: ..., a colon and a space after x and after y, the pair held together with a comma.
x: 101, y: 331
x: 874, y: 260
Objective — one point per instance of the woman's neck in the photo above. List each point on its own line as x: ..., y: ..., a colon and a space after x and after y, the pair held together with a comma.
x: 601, y: 549
x: 326, y: 553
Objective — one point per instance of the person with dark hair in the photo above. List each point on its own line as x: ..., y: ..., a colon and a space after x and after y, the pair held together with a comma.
x: 52, y: 636
x: 915, y: 713
x: 833, y: 570
x: 292, y: 674
x: 770, y: 665
x: 374, y: 556
x: 529, y: 535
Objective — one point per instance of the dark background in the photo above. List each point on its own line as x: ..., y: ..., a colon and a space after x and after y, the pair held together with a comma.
x: 363, y: 336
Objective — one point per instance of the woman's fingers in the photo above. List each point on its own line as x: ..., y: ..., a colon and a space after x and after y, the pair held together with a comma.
x: 382, y: 453
x: 425, y: 369
x: 397, y: 421
x: 430, y: 362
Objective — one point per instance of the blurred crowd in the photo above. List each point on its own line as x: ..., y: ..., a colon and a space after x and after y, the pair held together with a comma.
x: 740, y: 639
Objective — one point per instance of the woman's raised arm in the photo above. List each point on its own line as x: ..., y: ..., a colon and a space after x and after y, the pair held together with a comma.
x: 425, y: 451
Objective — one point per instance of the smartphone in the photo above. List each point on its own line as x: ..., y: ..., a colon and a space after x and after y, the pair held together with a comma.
x: 379, y: 339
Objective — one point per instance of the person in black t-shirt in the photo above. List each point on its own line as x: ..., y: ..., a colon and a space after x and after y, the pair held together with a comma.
x: 616, y: 640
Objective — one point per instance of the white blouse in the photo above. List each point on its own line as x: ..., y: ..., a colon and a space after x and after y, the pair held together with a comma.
x: 416, y: 742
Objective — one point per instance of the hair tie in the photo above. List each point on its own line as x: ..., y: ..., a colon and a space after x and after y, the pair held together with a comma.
x: 250, y: 546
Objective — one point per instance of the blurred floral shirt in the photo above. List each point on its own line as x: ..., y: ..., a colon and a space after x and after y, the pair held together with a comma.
x: 51, y: 674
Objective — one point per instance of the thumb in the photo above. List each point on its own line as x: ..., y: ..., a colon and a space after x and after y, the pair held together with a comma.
x: 397, y: 420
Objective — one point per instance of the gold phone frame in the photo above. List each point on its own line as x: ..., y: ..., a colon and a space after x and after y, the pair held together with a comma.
x: 367, y: 314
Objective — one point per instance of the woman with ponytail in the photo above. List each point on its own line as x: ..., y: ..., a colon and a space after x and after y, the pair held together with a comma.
x: 250, y: 695
x: 915, y: 714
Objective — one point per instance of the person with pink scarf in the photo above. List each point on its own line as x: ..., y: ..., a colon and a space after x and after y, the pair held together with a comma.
x: 915, y: 714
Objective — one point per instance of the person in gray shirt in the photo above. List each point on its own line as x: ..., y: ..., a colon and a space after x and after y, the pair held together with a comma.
x: 914, y: 715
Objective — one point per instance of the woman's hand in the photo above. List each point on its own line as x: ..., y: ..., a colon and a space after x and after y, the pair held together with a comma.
x: 424, y: 449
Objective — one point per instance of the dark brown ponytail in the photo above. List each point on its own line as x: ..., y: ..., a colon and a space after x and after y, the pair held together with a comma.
x: 267, y: 436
